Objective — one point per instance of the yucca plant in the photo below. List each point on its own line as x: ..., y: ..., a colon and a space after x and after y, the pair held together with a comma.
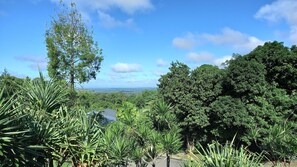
x: 118, y: 145
x: 280, y: 144
x: 14, y: 137
x: 137, y: 156
x: 42, y: 95
x: 89, y: 139
x: 171, y: 143
x: 161, y: 116
x: 154, y: 148
x: 217, y: 155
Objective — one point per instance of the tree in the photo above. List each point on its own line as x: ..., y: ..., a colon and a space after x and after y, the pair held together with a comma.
x: 245, y: 77
x: 171, y: 143
x: 280, y: 63
x: 72, y: 53
x: 207, y: 83
x: 175, y: 89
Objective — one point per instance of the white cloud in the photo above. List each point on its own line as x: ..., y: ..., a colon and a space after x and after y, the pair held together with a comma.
x: 236, y: 39
x: 206, y: 57
x: 219, y: 61
x: 108, y: 21
x: 281, y: 10
x: 35, y: 63
x: 186, y: 42
x: 199, y: 57
x: 127, y: 6
x: 162, y: 63
x: 126, y: 68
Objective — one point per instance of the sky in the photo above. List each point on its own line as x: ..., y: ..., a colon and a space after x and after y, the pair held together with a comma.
x: 140, y: 38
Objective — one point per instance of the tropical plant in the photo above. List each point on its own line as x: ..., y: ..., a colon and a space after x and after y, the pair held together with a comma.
x: 42, y: 95
x: 171, y: 143
x: 280, y: 144
x: 217, y: 155
x: 14, y: 137
x: 154, y: 147
x: 161, y: 115
x: 118, y: 145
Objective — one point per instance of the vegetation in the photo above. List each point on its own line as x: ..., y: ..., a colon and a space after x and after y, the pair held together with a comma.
x: 226, y: 155
x: 253, y: 98
x: 72, y: 53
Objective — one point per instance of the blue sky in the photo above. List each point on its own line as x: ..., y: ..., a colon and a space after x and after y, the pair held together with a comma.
x: 140, y: 38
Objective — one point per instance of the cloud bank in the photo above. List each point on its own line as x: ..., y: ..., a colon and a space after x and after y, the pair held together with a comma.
x: 281, y: 10
x: 35, y: 63
x: 227, y: 37
x: 126, y: 68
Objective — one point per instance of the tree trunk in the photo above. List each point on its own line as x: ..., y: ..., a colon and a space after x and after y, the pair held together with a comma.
x: 137, y: 163
x: 72, y: 70
x: 72, y: 80
x: 51, y: 162
x: 168, y: 160
x: 153, y: 165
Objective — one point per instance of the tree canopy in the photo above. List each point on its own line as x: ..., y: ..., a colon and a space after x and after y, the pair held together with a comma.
x: 247, y: 98
x: 73, y: 55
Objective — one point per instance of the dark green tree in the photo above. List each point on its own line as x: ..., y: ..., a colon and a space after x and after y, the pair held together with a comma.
x: 175, y: 88
x: 280, y: 63
x: 73, y: 55
x: 207, y: 83
x: 245, y: 78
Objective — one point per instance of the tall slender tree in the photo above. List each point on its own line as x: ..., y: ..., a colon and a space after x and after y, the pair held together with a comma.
x: 73, y: 55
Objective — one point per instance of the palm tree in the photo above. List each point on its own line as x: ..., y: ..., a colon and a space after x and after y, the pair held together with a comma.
x: 171, y: 143
x: 137, y: 155
x: 154, y: 147
x: 162, y: 116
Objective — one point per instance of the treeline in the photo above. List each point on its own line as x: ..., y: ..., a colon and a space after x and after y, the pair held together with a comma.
x: 40, y: 125
x: 251, y: 102
x: 253, y: 98
x: 92, y: 100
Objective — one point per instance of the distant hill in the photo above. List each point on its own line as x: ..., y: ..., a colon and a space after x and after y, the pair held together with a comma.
x: 122, y: 90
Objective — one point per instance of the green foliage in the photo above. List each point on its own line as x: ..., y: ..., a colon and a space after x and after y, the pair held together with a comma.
x: 207, y: 83
x: 281, y: 143
x: 161, y: 116
x: 43, y: 95
x: 176, y: 89
x: 217, y: 155
x: 228, y: 116
x: 253, y: 93
x: 98, y: 101
x: 127, y: 110
x: 72, y: 53
x: 9, y: 84
x: 280, y: 63
x: 246, y: 77
x: 15, y: 148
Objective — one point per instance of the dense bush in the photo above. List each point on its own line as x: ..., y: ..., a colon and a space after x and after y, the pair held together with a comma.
x: 252, y: 95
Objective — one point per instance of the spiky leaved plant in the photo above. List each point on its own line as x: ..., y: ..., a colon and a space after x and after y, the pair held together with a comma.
x: 217, y: 155
x: 14, y: 137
